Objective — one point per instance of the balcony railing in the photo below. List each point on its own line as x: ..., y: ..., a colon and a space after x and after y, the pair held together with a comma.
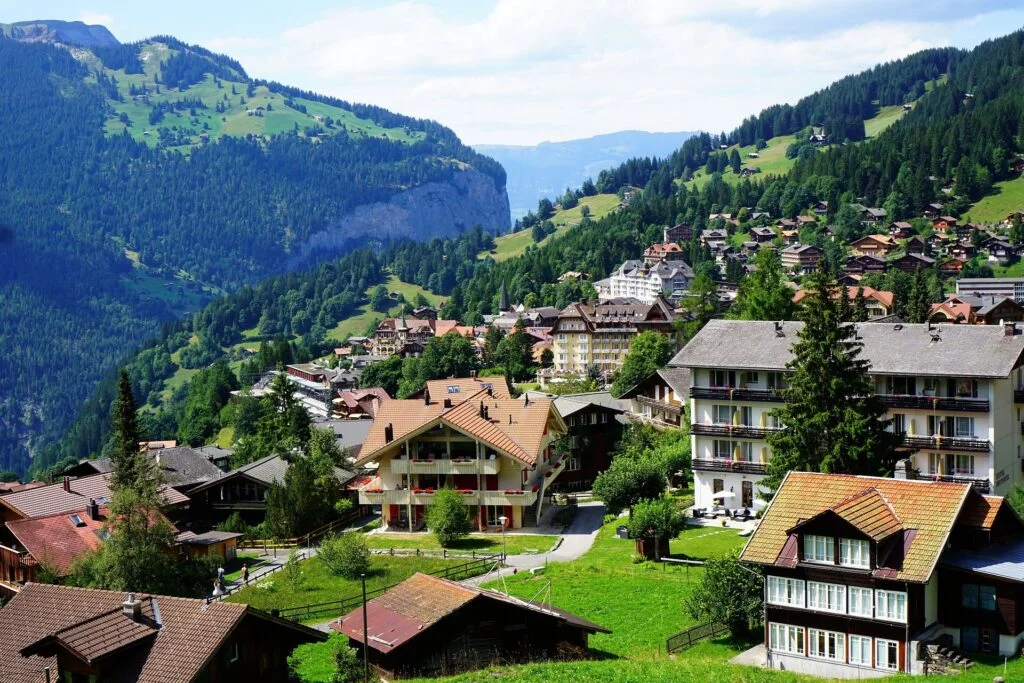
x: 948, y: 443
x: 722, y: 465
x: 727, y: 394
x: 737, y: 431
x: 527, y: 497
x: 444, y: 466
x: 390, y: 497
x: 654, y: 404
x: 966, y: 405
x: 982, y: 484
x: 469, y: 497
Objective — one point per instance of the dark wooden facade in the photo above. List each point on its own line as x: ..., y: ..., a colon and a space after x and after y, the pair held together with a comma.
x: 594, y: 431
x: 1006, y: 619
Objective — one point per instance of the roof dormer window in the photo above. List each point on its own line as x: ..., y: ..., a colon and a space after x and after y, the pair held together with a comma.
x: 854, y: 553
x: 819, y: 549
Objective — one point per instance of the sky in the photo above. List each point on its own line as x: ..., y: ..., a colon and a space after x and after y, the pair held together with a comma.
x: 526, y: 71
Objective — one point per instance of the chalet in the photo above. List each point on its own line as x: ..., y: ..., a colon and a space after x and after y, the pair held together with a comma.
x: 802, y: 221
x: 976, y: 310
x: 661, y: 396
x: 909, y: 263
x: 748, y: 171
x: 573, y: 275
x: 541, y: 317
x: 665, y: 251
x: 679, y: 234
x: 1000, y: 251
x: 800, y: 258
x: 790, y: 236
x: 872, y: 215
x: 933, y: 210
x: 962, y: 250
x: 878, y: 302
x: 817, y: 138
x: 359, y: 403
x: 820, y: 207
x: 944, y: 224
x: 708, y: 237
x: 753, y: 155
x: 863, y: 573
x: 758, y: 215
x: 595, y: 422
x: 393, y: 333
x: 873, y: 245
x: 786, y: 224
x: 496, y: 451
x: 900, y: 230
x: 1017, y: 165
x: 78, y: 634
x: 425, y: 313
x: 915, y: 245
x: 762, y: 234
x: 244, y: 490
x: 427, y: 626
x: 221, y: 544
x: 907, y: 106
x: 865, y: 265
x: 182, y: 468
x: 951, y: 267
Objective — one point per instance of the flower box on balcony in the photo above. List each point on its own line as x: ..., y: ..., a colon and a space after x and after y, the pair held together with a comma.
x: 462, y: 461
x: 426, y: 460
x: 536, y: 487
x: 373, y: 490
x: 429, y: 490
x: 465, y: 492
x: 513, y: 492
x: 417, y: 489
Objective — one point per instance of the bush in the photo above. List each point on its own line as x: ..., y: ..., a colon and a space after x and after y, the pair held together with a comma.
x: 346, y: 555
x: 292, y: 572
x: 350, y: 669
x: 728, y: 594
x: 448, y: 518
x: 234, y: 523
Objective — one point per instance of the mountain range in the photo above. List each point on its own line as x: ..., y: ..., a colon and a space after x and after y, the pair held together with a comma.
x: 547, y: 169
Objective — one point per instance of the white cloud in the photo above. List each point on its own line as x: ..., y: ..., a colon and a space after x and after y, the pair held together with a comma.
x: 529, y: 71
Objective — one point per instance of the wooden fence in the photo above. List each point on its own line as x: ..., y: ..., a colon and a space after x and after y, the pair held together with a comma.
x: 695, y: 634
x: 335, y: 608
x: 299, y: 541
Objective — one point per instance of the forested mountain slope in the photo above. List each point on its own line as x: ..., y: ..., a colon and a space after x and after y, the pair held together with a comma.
x: 947, y: 137
x: 139, y: 181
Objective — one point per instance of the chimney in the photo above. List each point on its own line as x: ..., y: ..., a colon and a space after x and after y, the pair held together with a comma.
x: 483, y: 411
x: 1009, y: 329
x: 472, y: 373
x: 93, y: 509
x: 426, y: 397
x: 131, y: 607
x: 902, y: 470
x: 778, y: 329
x: 158, y: 459
x: 447, y: 403
x: 53, y: 477
x: 67, y: 484
x: 389, y: 433
x: 526, y: 400
x: 510, y: 418
x: 487, y: 413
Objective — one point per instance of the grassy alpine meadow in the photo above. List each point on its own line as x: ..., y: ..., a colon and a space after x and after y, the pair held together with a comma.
x: 319, y: 584
x: 515, y: 243
x: 1006, y: 196
x: 516, y: 544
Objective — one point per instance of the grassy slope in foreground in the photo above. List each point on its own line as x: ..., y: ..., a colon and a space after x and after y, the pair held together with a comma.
x: 515, y: 243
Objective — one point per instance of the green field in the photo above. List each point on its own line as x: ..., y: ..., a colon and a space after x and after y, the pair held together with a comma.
x: 320, y: 585
x: 1006, y: 196
x: 182, y: 295
x: 357, y: 323
x: 238, y: 117
x: 515, y: 243
x: 885, y: 117
x: 515, y: 544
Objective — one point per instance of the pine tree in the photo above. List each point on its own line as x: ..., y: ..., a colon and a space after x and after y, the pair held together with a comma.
x: 833, y: 421
x: 859, y: 313
x: 764, y: 294
x: 131, y: 469
x: 918, y: 305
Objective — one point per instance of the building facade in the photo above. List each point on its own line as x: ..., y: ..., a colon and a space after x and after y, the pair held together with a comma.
x: 955, y: 393
x: 646, y: 282
x: 497, y: 452
x: 599, y: 335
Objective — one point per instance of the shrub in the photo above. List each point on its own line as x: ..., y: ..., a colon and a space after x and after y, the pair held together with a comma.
x: 234, y: 523
x: 728, y: 594
x: 345, y: 555
x: 292, y: 572
x: 448, y: 518
x: 350, y: 669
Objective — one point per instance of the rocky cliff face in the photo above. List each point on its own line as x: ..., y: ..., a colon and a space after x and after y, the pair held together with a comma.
x: 440, y: 209
x: 67, y: 32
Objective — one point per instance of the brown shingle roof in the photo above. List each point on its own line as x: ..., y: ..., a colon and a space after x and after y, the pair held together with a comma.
x: 462, y: 388
x: 870, y: 512
x: 512, y: 426
x: 91, y: 621
x: 54, y: 500
x: 981, y: 511
x: 56, y: 540
x: 927, y: 508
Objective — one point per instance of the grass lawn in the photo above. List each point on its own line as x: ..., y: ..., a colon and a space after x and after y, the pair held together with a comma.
x: 516, y: 544
x: 233, y: 568
x: 1006, y: 196
x: 358, y: 323
x: 885, y: 117
x: 515, y: 243
x: 320, y: 585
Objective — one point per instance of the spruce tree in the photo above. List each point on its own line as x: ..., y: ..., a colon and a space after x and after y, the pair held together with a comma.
x: 764, y: 294
x: 859, y: 312
x: 918, y: 304
x: 130, y: 467
x: 833, y: 422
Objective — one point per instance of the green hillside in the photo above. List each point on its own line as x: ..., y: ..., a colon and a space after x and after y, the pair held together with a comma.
x: 1006, y: 197
x: 515, y: 243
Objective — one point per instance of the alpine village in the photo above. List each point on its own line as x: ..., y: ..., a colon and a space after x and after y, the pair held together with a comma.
x: 287, y: 395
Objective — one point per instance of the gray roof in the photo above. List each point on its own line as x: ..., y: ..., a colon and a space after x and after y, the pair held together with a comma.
x: 270, y: 469
x: 348, y: 433
x: 1003, y: 561
x: 179, y: 466
x: 947, y: 350
x: 568, y: 404
x: 677, y: 378
x: 207, y: 538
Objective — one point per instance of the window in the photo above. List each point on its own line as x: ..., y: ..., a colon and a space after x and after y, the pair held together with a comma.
x: 777, y: 380
x: 786, y: 638
x: 819, y: 549
x: 969, y: 597
x: 963, y: 426
x: 722, y: 378
x: 891, y: 605
x: 899, y: 423
x: 827, y: 644
x: 964, y: 464
x: 493, y: 512
x: 887, y: 654
x: 978, y: 597
x: 746, y: 416
x: 828, y: 597
x: 853, y: 553
x: 783, y: 591
x: 723, y: 449
x: 900, y: 385
x: 747, y: 494
x: 966, y: 387
x: 231, y: 653
x: 860, y: 650
x: 861, y: 602
x: 604, y: 418
x: 721, y: 415
x: 572, y: 465
x: 717, y: 485
x: 749, y: 378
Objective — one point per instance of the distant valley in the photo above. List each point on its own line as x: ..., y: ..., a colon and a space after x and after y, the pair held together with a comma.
x: 547, y: 169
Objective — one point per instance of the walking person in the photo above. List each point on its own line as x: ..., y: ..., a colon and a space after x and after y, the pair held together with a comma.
x: 245, y: 573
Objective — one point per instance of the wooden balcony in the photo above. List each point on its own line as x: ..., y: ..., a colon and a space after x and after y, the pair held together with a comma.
x: 424, y: 497
x: 445, y: 466
x: 948, y: 403
x: 654, y: 404
x: 732, y: 431
x: 968, y: 444
x: 391, y: 497
x: 982, y: 484
x: 728, y: 394
x: 722, y: 465
x: 521, y: 498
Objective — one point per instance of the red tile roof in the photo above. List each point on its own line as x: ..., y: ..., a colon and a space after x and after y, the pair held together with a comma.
x: 56, y: 540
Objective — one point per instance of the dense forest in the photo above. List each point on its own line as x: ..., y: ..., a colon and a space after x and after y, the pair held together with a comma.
x: 104, y: 237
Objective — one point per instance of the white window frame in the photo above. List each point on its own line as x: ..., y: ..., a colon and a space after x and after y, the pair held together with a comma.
x: 786, y: 591
x: 882, y: 647
x: 854, y: 553
x: 719, y: 410
x: 963, y: 426
x: 891, y: 606
x: 826, y: 597
x: 786, y: 638
x: 857, y: 644
x: 833, y: 641
x: 863, y: 599
x: 811, y: 542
